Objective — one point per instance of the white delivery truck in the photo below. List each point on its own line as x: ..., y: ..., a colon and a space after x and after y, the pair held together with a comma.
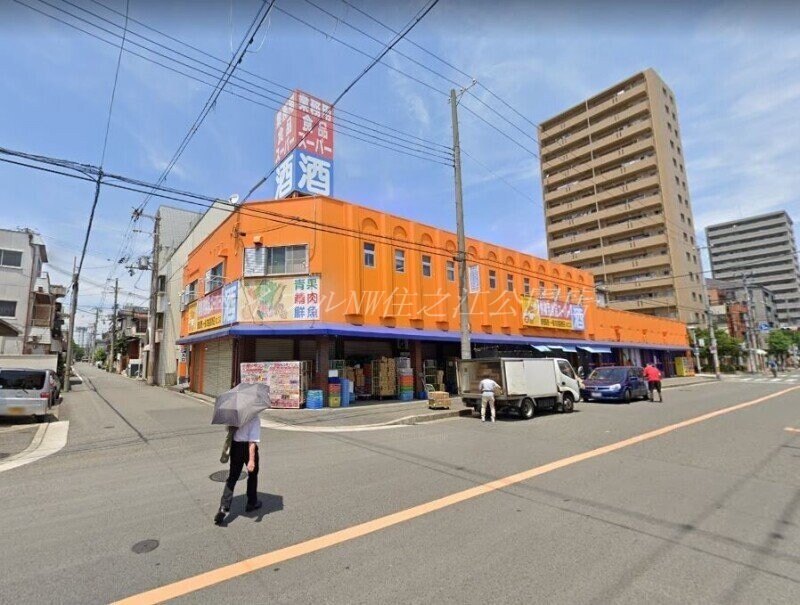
x: 527, y: 385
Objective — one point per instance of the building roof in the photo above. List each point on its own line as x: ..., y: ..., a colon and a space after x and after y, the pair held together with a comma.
x: 751, y: 219
x: 6, y: 329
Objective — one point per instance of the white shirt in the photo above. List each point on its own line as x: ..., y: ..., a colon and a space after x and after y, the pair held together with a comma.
x: 250, y: 432
x: 488, y: 386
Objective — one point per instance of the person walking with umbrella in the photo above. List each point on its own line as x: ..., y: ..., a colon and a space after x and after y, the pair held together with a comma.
x: 239, y: 407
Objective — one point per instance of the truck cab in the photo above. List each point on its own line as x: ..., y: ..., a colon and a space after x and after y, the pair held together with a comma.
x: 526, y: 385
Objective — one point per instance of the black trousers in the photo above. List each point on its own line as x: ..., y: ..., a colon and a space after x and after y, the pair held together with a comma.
x: 240, y: 455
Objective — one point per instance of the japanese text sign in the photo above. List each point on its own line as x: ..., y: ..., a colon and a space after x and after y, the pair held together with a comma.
x: 304, y: 172
x: 552, y: 314
x: 209, y: 311
x: 280, y: 299
x: 306, y: 123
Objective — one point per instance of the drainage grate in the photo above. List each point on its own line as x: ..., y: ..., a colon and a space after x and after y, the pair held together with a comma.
x: 222, y: 476
x: 144, y: 546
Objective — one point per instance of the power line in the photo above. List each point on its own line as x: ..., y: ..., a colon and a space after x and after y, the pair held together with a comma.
x: 114, y: 89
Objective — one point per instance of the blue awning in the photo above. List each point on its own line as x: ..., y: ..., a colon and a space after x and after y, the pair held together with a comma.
x: 541, y: 348
x: 595, y: 349
x: 569, y: 349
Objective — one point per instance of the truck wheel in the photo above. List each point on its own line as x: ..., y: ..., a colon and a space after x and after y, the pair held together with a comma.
x: 526, y: 409
x: 568, y: 404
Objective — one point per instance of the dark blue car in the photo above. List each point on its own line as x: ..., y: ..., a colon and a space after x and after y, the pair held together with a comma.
x: 615, y: 383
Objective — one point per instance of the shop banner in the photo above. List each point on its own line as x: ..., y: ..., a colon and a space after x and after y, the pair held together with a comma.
x: 282, y: 377
x: 209, y: 311
x: 474, y: 278
x: 552, y: 314
x: 279, y: 299
x: 230, y: 303
x: 191, y: 318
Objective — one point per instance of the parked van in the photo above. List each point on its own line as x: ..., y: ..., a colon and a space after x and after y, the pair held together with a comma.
x: 27, y: 392
x: 527, y: 385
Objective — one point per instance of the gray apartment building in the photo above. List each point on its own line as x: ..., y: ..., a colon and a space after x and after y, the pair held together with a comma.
x: 29, y: 304
x: 616, y: 199
x: 763, y: 249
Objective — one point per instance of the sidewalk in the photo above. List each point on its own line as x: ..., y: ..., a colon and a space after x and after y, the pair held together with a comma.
x: 388, y: 413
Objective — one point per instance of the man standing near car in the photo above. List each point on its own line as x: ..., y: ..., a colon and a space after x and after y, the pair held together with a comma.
x: 487, y: 388
x: 653, y: 376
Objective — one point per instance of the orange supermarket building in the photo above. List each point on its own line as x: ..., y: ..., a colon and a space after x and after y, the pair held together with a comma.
x: 338, y: 285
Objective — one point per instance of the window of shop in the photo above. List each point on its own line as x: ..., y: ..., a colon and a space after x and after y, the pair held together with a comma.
x: 191, y: 292
x: 400, y: 261
x: 215, y: 278
x: 451, y: 270
x: 369, y: 254
x: 10, y: 258
x: 526, y: 286
x: 287, y: 260
x: 427, y: 270
x: 510, y: 282
x: 542, y: 289
x: 492, y: 279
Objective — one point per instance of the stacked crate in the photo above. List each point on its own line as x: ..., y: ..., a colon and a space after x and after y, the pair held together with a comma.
x: 334, y: 392
x: 405, y: 384
x: 384, y: 377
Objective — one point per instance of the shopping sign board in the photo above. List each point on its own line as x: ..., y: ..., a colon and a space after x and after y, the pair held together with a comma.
x: 263, y: 300
x: 306, y: 123
x: 543, y: 313
x: 230, y: 303
x: 209, y: 311
x: 283, y: 378
x: 304, y: 172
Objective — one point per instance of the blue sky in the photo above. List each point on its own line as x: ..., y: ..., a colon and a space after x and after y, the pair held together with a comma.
x: 735, y: 71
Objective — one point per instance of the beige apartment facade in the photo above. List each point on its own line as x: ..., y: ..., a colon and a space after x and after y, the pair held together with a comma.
x: 617, y: 202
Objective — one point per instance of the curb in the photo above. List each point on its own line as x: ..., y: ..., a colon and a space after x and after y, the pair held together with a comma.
x: 423, y: 418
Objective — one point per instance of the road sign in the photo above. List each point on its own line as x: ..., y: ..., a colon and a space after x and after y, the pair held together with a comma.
x: 763, y: 327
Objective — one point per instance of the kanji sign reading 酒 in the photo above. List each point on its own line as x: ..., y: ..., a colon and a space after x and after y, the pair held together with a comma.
x: 304, y: 172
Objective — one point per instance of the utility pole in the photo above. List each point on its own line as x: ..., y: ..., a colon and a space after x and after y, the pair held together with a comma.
x: 94, y: 334
x: 461, y: 255
x: 112, y: 353
x: 750, y: 326
x: 151, y: 355
x: 710, y: 318
x: 70, y: 335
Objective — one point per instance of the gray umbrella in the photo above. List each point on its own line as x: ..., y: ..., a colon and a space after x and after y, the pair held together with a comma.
x: 241, y: 404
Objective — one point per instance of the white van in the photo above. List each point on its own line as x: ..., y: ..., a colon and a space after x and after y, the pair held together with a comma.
x: 527, y: 385
x: 27, y: 392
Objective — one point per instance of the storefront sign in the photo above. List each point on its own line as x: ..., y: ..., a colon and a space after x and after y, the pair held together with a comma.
x: 209, y: 311
x: 304, y: 146
x: 279, y: 299
x: 552, y: 314
x: 474, y: 278
x: 230, y: 303
x: 284, y: 379
x: 191, y: 317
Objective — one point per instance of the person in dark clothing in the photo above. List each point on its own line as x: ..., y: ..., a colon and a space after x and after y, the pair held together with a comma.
x: 244, y: 451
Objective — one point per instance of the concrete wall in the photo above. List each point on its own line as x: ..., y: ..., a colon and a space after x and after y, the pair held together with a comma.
x: 16, y: 284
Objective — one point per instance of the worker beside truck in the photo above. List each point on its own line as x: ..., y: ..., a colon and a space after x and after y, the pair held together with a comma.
x: 525, y: 385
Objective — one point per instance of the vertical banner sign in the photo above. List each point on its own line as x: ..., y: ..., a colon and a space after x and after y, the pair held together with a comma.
x: 304, y: 146
x: 230, y: 303
x: 474, y: 278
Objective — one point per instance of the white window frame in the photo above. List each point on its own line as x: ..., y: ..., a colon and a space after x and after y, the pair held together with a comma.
x: 451, y: 271
x: 510, y: 282
x: 268, y: 260
x: 399, y: 260
x: 492, y: 279
x: 368, y: 250
x: 13, y: 302
x: 427, y: 264
x: 526, y: 286
x: 214, y: 281
x: 21, y: 257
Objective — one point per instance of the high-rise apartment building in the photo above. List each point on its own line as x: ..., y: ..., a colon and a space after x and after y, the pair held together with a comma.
x: 616, y: 199
x: 762, y: 248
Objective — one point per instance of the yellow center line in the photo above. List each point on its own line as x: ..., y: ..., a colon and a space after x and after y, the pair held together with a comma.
x: 228, y: 572
x: 791, y: 430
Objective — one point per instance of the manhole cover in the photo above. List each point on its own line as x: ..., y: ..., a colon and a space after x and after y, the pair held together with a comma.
x: 144, y: 546
x: 222, y: 476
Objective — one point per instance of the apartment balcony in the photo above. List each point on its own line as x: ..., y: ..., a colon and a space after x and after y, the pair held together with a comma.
x: 580, y: 186
x: 615, y: 156
x: 561, y: 162
x: 639, y: 89
x: 569, y: 141
x: 630, y: 170
x: 632, y: 188
x: 649, y: 262
x: 642, y: 284
x: 644, y: 304
x: 629, y: 133
x: 640, y: 109
x: 580, y: 172
x: 626, y: 246
x: 736, y: 238
x: 651, y: 201
x: 555, y: 131
x: 618, y: 229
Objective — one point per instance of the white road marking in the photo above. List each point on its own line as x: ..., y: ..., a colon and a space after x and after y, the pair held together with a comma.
x: 745, y: 379
x: 49, y: 439
x: 18, y: 427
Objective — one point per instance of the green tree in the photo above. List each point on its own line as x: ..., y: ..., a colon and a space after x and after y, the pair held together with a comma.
x: 100, y: 355
x: 779, y: 343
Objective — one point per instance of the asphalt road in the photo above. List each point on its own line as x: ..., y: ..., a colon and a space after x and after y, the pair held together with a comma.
x: 705, y: 513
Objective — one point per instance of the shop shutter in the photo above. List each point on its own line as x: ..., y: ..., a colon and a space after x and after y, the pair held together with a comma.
x: 308, y: 350
x: 367, y: 348
x: 274, y: 349
x: 217, y: 367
